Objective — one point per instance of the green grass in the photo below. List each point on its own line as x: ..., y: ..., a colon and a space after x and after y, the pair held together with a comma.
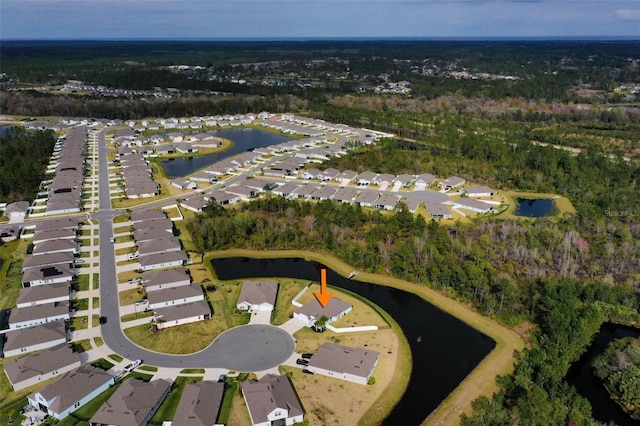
x: 120, y: 219
x: 102, y: 363
x: 150, y: 368
x: 98, y: 341
x: 227, y: 400
x: 96, y: 281
x: 81, y: 282
x: 11, y: 255
x: 138, y: 375
x: 168, y: 407
x: 80, y: 323
x: 80, y: 304
x: 95, y: 302
x: 192, y: 371
x: 131, y: 317
x: 116, y: 357
x: 81, y: 345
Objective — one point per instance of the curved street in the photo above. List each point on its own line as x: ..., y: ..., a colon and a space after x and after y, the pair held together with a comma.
x: 245, y: 348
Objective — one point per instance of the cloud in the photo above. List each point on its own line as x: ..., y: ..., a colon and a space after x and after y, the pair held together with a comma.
x: 628, y: 14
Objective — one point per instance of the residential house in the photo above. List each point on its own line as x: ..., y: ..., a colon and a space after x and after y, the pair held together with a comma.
x: 257, y: 296
x: 196, y: 205
x: 313, y: 311
x: 55, y: 246
x: 133, y: 403
x: 184, y: 184
x: 17, y: 210
x: 9, y: 233
x: 63, y: 258
x: 438, y: 211
x: 343, y: 362
x: 384, y: 179
x: 166, y: 278
x: 164, y: 245
x: 175, y: 296
x: 145, y: 215
x: 345, y: 195
x: 306, y: 191
x: 271, y: 401
x: 43, y: 275
x: 163, y: 260
x: 199, y: 404
x: 387, y: 202
x: 451, y: 182
x: 33, y: 368
x: 324, y: 193
x: 366, y: 178
x: 473, y: 205
x: 38, y: 314
x: 310, y: 174
x: 287, y: 190
x: 43, y: 294
x: 56, y: 234
x: 404, y: 180
x: 35, y: 338
x: 187, y: 313
x: 366, y: 198
x: 221, y: 197
x: 477, y: 191
x: 329, y: 174
x: 425, y: 179
x: 346, y: 177
x: 71, y: 391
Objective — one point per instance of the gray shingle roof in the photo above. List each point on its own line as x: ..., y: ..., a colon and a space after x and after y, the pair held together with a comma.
x: 269, y: 393
x: 257, y: 292
x: 199, y: 404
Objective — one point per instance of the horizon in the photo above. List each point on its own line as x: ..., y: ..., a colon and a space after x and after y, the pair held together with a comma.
x: 316, y: 19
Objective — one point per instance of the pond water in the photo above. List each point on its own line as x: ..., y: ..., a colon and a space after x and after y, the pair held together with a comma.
x: 444, y: 349
x: 538, y: 207
x: 581, y: 376
x: 5, y: 129
x: 243, y: 140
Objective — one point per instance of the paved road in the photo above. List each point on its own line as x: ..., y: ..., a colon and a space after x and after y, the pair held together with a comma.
x: 247, y: 348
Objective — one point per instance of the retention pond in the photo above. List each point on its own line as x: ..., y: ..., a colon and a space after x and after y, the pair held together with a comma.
x: 444, y: 349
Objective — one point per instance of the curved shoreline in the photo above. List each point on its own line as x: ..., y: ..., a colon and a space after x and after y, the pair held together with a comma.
x: 480, y: 382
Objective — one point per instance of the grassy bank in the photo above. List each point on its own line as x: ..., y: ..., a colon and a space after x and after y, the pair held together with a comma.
x: 480, y: 382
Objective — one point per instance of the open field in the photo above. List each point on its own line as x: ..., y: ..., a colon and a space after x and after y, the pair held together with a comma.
x: 480, y: 382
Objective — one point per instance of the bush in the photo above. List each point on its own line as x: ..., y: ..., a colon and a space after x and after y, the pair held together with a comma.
x: 372, y: 380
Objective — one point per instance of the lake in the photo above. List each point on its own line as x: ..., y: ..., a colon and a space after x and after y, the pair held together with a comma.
x: 243, y: 140
x: 581, y: 376
x: 443, y: 348
x: 538, y: 207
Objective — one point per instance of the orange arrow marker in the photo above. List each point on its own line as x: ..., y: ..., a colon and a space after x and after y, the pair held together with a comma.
x: 324, y: 296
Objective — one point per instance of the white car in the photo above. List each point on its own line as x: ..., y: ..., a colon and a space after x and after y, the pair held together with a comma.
x: 133, y: 365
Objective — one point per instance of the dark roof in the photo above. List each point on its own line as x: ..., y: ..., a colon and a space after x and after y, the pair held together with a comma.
x: 269, y: 393
x: 344, y: 359
x: 315, y: 310
x: 257, y: 292
x: 199, y: 404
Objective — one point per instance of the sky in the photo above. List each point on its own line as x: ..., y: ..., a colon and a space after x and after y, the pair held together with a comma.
x: 254, y: 19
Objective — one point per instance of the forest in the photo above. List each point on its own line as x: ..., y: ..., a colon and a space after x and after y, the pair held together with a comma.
x: 619, y: 368
x: 23, y: 159
x: 484, y: 111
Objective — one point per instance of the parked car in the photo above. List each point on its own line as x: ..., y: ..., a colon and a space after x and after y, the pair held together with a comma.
x: 307, y: 371
x: 306, y: 356
x: 133, y: 365
x: 140, y: 303
x: 302, y: 361
x: 113, y: 240
x: 103, y: 320
x: 135, y: 280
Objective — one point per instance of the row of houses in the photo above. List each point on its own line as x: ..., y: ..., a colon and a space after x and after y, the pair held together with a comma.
x: 170, y: 293
x: 134, y: 402
x: 46, y: 275
x: 137, y: 178
x: 64, y: 190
